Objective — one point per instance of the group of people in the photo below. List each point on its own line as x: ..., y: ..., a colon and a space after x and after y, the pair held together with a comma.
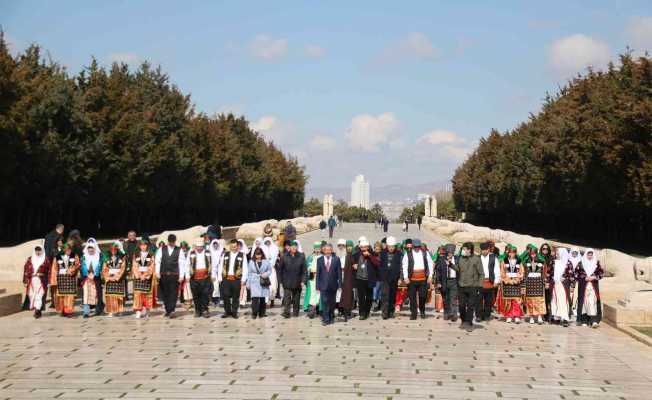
x: 539, y: 284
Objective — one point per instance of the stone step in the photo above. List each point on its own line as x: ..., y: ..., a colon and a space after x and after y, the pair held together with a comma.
x: 10, y: 303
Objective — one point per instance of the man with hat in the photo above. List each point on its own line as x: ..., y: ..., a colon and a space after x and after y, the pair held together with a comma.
x: 490, y: 280
x: 470, y: 276
x: 198, y: 273
x: 447, y: 282
x: 390, y: 272
x: 345, y: 301
x: 170, y: 272
x: 292, y: 275
x: 365, y: 266
x: 232, y: 272
x: 418, y: 271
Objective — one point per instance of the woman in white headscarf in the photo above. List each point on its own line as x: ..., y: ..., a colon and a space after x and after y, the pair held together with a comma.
x: 271, y: 254
x: 91, y: 272
x: 35, y: 277
x: 560, y: 278
x: 574, y: 259
x: 257, y: 244
x: 588, y: 274
x: 243, y: 247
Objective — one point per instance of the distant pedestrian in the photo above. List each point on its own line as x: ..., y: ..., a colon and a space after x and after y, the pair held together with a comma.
x: 405, y: 225
x: 419, y: 221
x: 290, y: 231
x: 331, y: 226
x: 322, y: 228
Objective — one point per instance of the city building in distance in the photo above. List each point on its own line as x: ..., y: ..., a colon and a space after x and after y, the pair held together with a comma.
x: 360, y: 193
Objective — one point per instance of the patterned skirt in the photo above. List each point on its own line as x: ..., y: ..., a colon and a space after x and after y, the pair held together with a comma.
x: 66, y: 285
x: 512, y: 291
x: 535, y: 301
x: 142, y: 285
x: 115, y: 288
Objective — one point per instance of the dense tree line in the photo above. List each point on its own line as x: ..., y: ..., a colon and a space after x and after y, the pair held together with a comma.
x: 342, y: 210
x: 581, y: 168
x: 110, y: 149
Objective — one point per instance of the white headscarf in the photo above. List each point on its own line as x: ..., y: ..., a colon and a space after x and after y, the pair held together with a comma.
x: 299, y: 248
x: 575, y: 259
x: 37, y: 261
x: 589, y: 265
x: 92, y: 260
x: 216, y: 254
x: 271, y: 250
x: 243, y: 246
x: 561, y: 262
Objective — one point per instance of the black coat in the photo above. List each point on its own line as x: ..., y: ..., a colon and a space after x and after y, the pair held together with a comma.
x: 292, y: 270
x: 390, y: 273
x: 372, y: 266
x: 50, y: 244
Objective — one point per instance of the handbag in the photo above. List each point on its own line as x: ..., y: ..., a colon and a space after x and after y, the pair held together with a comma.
x: 264, y: 282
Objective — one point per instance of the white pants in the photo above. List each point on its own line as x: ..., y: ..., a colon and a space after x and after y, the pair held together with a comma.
x: 35, y: 293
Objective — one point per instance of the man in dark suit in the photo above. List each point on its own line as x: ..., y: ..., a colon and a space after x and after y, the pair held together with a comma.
x: 329, y: 279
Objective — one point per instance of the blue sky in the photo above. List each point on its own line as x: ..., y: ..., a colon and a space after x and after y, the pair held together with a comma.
x: 398, y: 91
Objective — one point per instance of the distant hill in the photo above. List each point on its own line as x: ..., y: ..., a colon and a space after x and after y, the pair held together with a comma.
x: 392, y: 192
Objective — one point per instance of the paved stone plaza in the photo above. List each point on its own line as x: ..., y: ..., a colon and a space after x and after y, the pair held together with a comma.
x: 275, y: 358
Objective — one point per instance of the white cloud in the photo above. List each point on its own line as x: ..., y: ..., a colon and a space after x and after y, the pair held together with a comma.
x: 639, y: 33
x: 127, y: 58
x: 268, y: 48
x: 447, y: 144
x: 273, y: 129
x: 323, y: 142
x: 368, y: 132
x: 572, y: 54
x: 315, y: 51
x: 415, y: 46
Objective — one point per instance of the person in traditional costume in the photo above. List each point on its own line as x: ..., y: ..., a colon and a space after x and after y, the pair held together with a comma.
x: 231, y: 274
x: 439, y: 298
x: 63, y: 275
x: 418, y: 270
x: 545, y: 253
x: 216, y: 249
x: 292, y: 275
x: 143, y: 273
x: 258, y: 242
x: 446, y: 280
x: 402, y: 289
x: 491, y: 279
x: 36, y: 273
x: 535, y: 278
x: 271, y: 252
x: 311, y: 298
x: 378, y: 249
x: 329, y: 280
x: 258, y: 282
x: 113, y: 273
x: 390, y: 272
x: 560, y: 278
x: 574, y: 258
x: 74, y: 238
x: 365, y: 265
x: 470, y: 277
x: 185, y: 291
x: 511, y: 296
x: 588, y: 274
x: 268, y: 231
x: 198, y: 276
x: 170, y: 272
x: 91, y: 273
x: 345, y: 303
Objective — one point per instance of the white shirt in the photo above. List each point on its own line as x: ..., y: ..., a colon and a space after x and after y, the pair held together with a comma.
x: 451, y: 272
x: 485, y: 268
x: 418, y: 263
x: 231, y: 271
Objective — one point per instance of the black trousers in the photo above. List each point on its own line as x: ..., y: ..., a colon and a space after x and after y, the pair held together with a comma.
x: 467, y: 295
x: 328, y: 301
x: 484, y: 304
x: 330, y: 231
x: 201, y: 294
x: 291, y: 297
x: 420, y: 288
x: 231, y: 296
x: 258, y: 306
x: 169, y: 285
x: 365, y: 297
x: 449, y: 291
x: 388, y: 297
x: 548, y: 295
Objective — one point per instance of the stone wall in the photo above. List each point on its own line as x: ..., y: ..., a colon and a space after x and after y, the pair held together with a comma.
x: 619, y: 265
x: 253, y: 230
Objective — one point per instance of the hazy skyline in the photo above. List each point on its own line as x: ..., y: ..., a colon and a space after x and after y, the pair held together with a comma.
x: 397, y: 92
